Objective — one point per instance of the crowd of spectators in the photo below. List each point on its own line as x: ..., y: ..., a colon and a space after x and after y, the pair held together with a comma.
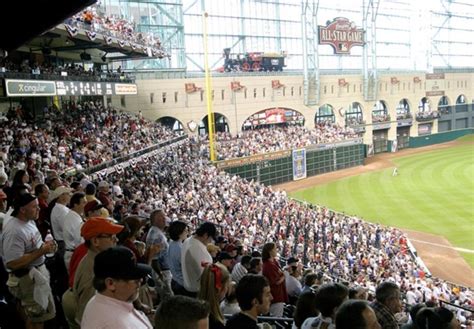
x: 340, y: 246
x: 58, y: 71
x: 177, y: 188
x: 380, y: 117
x: 275, y: 138
x: 77, y: 137
x: 427, y: 115
x: 94, y: 19
x: 354, y: 121
x: 404, y: 115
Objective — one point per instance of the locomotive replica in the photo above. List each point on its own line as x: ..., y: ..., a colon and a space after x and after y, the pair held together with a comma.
x: 253, y: 62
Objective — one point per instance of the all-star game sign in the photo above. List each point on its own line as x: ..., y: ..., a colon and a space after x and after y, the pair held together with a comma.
x: 341, y: 34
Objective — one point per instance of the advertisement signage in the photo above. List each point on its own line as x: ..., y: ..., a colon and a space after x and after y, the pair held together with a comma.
x: 30, y: 88
x: 252, y: 159
x: 435, y: 84
x: 275, y: 116
x: 299, y: 164
x: 67, y: 88
x: 424, y: 129
x: 342, y: 35
x: 125, y: 89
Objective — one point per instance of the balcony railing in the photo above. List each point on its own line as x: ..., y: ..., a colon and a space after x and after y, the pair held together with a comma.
x: 427, y: 116
x: 58, y: 77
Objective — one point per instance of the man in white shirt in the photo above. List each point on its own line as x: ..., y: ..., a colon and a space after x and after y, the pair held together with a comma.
x: 194, y: 254
x: 117, y: 279
x: 60, y: 210
x: 411, y: 296
x: 23, y: 250
x: 72, y: 225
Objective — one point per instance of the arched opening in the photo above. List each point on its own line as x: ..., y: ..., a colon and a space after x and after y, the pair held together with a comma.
x: 443, y: 105
x: 273, y: 117
x: 354, y: 115
x: 221, y: 124
x: 325, y: 114
x: 461, y: 105
x: 403, y: 110
x: 425, y: 113
x: 172, y: 123
x: 424, y: 105
x: 405, y: 120
x: 380, y: 112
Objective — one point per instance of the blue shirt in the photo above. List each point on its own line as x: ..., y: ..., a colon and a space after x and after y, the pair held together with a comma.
x: 174, y: 261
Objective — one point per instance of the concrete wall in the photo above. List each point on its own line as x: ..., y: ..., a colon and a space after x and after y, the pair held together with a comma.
x: 238, y: 106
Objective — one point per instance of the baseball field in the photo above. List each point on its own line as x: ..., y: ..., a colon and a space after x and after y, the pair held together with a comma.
x: 432, y: 193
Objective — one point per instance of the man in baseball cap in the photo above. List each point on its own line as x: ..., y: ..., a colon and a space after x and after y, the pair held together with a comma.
x: 117, y: 280
x: 99, y: 235
x: 24, y: 255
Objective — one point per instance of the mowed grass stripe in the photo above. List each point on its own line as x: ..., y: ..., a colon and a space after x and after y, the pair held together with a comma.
x: 434, y: 192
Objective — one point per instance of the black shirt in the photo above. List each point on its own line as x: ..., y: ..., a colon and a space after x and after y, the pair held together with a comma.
x: 215, y: 324
x: 241, y: 321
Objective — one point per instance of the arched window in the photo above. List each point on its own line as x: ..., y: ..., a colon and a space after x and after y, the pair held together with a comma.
x: 461, y: 105
x: 443, y: 105
x: 325, y: 114
x: 220, y: 124
x: 424, y: 105
x: 172, y: 123
x: 403, y: 110
x: 354, y: 115
x: 380, y: 112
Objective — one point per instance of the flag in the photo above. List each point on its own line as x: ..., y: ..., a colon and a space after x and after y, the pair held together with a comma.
x: 91, y: 35
x: 71, y: 30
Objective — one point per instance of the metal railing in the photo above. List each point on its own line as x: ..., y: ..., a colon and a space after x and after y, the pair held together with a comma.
x: 275, y: 322
x: 130, y: 156
x: 59, y: 77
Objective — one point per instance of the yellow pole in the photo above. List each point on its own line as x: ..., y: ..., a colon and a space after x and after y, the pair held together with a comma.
x: 210, y: 113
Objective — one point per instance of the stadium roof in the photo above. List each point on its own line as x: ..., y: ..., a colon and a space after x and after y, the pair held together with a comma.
x: 59, y: 43
x: 24, y: 21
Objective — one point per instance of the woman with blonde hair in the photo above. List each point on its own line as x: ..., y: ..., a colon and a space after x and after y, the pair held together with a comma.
x: 215, y: 281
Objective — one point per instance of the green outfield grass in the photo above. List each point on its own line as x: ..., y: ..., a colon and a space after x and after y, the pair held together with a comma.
x: 433, y: 192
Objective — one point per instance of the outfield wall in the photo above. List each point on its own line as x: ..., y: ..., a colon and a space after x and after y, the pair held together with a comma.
x: 278, y: 167
x: 444, y: 137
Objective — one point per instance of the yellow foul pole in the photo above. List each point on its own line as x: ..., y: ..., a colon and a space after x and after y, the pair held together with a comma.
x: 210, y: 113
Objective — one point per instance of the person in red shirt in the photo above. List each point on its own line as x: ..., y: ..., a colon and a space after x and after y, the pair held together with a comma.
x: 275, y: 276
x: 43, y: 224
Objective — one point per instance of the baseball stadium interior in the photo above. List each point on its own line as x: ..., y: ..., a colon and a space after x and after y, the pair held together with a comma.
x: 153, y: 155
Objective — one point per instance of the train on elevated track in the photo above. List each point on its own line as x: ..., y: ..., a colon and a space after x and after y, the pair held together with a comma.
x: 253, y: 61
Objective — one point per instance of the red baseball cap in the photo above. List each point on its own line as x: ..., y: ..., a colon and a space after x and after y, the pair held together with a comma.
x: 99, y: 225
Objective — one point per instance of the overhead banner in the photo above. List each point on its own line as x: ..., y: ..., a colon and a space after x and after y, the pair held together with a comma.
x: 299, y: 164
x: 341, y: 34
